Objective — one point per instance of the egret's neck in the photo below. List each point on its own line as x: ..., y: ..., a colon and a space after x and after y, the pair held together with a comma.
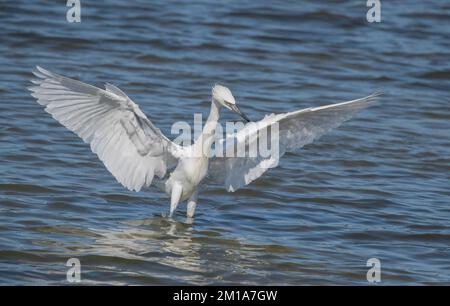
x: 206, y: 139
x: 213, y: 117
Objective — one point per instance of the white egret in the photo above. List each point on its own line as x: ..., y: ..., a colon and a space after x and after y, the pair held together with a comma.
x: 137, y: 153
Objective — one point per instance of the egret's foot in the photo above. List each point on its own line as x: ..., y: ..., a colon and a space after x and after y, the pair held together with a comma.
x: 189, y: 220
x: 177, y: 190
x: 191, y: 209
x: 192, y: 203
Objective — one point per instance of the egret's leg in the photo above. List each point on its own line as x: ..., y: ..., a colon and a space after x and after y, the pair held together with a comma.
x: 177, y: 190
x: 192, y: 203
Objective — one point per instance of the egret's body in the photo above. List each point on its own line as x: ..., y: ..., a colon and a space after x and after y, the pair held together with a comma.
x: 137, y: 153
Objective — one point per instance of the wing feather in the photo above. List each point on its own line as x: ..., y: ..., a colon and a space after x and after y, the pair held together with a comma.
x: 296, y: 129
x: 124, y: 139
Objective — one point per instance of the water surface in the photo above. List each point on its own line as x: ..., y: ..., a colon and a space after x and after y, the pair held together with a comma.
x: 376, y: 187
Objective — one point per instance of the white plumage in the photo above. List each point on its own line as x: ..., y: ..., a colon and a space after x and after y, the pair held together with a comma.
x: 135, y: 151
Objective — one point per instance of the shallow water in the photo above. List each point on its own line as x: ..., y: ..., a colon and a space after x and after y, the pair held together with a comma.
x: 376, y: 187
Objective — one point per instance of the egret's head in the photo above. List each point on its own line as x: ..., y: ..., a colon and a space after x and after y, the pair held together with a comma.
x: 223, y: 96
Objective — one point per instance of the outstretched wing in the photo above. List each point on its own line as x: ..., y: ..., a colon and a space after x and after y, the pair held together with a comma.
x: 296, y: 129
x: 129, y: 145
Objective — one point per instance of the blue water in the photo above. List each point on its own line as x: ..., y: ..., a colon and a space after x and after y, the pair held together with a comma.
x: 377, y: 187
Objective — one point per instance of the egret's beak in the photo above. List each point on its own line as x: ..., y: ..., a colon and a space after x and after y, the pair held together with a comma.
x: 236, y: 109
